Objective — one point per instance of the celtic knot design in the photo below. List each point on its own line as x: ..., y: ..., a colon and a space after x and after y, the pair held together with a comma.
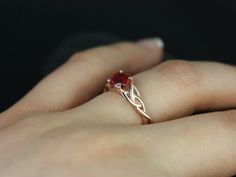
x: 133, y: 96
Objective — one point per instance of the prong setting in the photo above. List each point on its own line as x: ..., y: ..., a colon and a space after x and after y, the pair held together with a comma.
x: 122, y: 83
x: 109, y: 80
x: 118, y: 85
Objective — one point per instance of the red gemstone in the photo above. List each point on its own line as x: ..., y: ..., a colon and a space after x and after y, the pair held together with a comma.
x: 121, y: 78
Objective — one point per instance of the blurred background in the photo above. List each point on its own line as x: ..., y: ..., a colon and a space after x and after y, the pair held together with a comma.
x: 31, y: 30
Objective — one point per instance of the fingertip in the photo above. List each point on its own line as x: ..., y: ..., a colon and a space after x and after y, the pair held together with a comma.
x: 154, y: 48
x: 151, y: 43
x: 159, y: 42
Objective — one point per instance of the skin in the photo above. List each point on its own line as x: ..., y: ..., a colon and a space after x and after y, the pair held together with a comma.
x: 65, y: 127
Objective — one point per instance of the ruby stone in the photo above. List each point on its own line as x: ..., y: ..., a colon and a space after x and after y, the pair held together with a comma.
x: 121, y: 78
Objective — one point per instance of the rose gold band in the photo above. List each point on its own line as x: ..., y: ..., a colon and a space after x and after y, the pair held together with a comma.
x: 132, y: 95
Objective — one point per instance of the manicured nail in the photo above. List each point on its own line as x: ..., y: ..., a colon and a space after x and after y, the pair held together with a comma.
x: 160, y: 43
x: 151, y: 43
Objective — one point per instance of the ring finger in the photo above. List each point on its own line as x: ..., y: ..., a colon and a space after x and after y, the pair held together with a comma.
x: 173, y: 90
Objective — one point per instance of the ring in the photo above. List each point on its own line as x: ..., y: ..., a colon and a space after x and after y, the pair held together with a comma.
x: 123, y: 84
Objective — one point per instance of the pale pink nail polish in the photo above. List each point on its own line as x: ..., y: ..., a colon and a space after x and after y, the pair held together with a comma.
x: 151, y: 43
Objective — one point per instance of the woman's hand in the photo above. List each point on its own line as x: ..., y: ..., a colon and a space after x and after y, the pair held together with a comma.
x: 65, y: 128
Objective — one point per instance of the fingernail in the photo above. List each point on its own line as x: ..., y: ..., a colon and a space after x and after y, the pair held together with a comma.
x: 151, y: 43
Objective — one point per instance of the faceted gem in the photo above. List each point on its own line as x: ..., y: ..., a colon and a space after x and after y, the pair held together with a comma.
x: 120, y: 78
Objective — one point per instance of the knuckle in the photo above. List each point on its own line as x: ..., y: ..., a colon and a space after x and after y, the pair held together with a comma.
x: 92, y: 58
x: 124, y: 46
x: 106, y: 54
x: 92, y: 142
x: 109, y: 143
x: 82, y: 56
x: 101, y: 52
x: 181, y: 73
x: 118, y: 54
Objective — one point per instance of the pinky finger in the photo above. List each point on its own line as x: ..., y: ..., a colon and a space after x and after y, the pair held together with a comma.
x: 200, y: 145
